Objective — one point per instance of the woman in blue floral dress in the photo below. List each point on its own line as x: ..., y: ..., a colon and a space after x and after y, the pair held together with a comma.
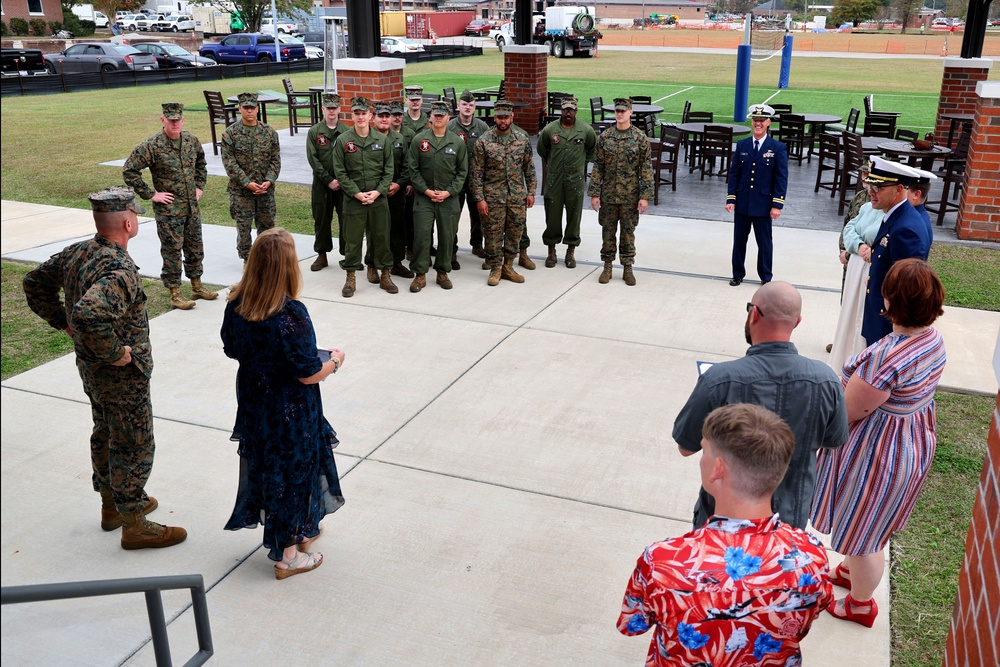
x: 288, y: 478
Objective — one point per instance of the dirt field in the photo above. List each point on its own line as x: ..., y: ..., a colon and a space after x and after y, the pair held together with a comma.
x: 929, y: 44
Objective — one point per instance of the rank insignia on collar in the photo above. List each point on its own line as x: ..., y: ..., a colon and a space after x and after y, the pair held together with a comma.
x: 322, y: 140
x: 351, y: 147
x: 425, y: 145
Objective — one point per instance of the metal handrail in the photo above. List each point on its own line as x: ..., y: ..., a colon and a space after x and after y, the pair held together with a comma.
x: 151, y: 587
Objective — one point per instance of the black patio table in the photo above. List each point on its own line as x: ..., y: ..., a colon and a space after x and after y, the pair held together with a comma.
x: 924, y: 159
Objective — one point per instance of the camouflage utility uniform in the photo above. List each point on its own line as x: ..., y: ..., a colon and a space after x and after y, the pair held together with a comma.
x: 178, y: 168
x: 622, y: 176
x: 105, y: 310
x: 250, y: 154
x: 470, y: 134
x: 319, y: 151
x: 503, y: 175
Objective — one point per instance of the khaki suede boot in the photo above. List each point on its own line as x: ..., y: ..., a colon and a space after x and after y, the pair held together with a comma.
x: 401, y: 271
x: 494, y: 278
x: 443, y: 280
x: 178, y: 301
x: 198, y: 291
x: 525, y: 261
x: 507, y: 271
x: 349, y: 286
x: 110, y: 518
x: 418, y: 283
x: 551, y: 259
x: 319, y: 263
x: 628, y: 276
x: 478, y: 251
x: 372, y: 275
x: 605, y: 274
x: 486, y: 265
x: 386, y: 282
x: 138, y: 532
x: 570, y: 257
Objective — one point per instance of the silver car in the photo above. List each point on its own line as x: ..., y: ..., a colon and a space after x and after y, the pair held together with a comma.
x: 98, y: 57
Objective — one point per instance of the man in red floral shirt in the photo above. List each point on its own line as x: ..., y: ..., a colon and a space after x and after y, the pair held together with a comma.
x: 745, y: 588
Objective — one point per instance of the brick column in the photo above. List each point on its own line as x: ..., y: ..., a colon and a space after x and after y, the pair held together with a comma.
x: 378, y: 79
x: 979, y: 206
x: 958, y: 89
x: 974, y: 637
x: 526, y: 80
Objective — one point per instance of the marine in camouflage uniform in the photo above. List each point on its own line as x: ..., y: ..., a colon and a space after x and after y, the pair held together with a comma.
x: 621, y: 185
x: 105, y: 314
x: 397, y: 189
x: 469, y: 129
x: 251, y: 155
x: 176, y: 161
x: 565, y: 146
x: 436, y: 164
x: 503, y: 185
x: 327, y: 197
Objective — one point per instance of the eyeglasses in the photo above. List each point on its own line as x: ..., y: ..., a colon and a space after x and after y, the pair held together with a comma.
x: 871, y: 187
x: 751, y: 306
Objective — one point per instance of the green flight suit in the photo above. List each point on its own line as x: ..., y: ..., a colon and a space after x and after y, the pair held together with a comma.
x: 435, y: 163
x: 470, y: 134
x: 415, y: 126
x: 397, y: 202
x: 319, y: 151
x: 565, y: 153
x: 364, y: 164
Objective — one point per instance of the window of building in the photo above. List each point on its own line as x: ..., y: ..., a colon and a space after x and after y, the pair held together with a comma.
x: 35, y: 7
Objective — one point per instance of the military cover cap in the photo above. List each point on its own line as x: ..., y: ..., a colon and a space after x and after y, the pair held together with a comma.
x: 884, y: 172
x: 440, y: 108
x: 248, y: 99
x: 396, y: 107
x: 760, y: 111
x: 503, y: 108
x: 382, y: 109
x: 414, y: 92
x: 115, y: 199
x: 173, y: 110
x: 360, y: 103
x: 467, y: 96
x: 923, y: 177
x: 331, y: 100
x: 622, y: 104
x: 569, y: 103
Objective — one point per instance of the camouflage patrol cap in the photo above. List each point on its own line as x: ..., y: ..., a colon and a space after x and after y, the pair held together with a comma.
x: 173, y: 110
x: 569, y: 103
x: 396, y: 107
x: 115, y: 199
x: 503, y: 108
x: 414, y: 92
x: 467, y: 96
x: 248, y: 99
x: 331, y: 100
x: 622, y: 104
x: 440, y: 109
x: 382, y: 109
x: 360, y: 103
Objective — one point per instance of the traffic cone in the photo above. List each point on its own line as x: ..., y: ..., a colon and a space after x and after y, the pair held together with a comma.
x: 944, y: 50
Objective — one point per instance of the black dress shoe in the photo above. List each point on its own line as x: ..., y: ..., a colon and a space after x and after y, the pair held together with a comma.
x: 735, y: 281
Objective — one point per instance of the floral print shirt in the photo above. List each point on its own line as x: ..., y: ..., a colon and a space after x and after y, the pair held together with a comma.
x: 732, y: 593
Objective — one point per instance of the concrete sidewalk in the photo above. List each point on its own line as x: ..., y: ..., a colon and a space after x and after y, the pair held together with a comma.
x: 505, y: 457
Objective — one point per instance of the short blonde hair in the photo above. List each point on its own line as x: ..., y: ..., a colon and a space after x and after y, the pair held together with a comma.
x: 270, y: 277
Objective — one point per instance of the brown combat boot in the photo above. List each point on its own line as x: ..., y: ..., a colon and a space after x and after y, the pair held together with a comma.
x: 138, y: 532
x: 605, y: 274
x: 507, y: 271
x: 486, y: 265
x: 478, y: 251
x: 418, y: 283
x: 349, y: 286
x: 178, y: 301
x: 628, y: 276
x: 525, y: 261
x: 443, y: 280
x: 401, y: 271
x: 386, y: 282
x: 110, y: 518
x: 494, y: 278
x: 570, y: 257
x: 372, y: 275
x: 551, y: 260
x: 198, y: 291
x: 319, y: 263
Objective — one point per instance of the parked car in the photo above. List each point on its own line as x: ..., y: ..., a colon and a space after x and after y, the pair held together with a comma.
x: 128, y: 22
x: 98, y: 57
x: 101, y: 20
x: 176, y: 23
x: 22, y: 62
x: 400, y: 45
x: 148, y: 22
x: 479, y: 28
x: 169, y: 55
x: 316, y: 39
x: 312, y: 51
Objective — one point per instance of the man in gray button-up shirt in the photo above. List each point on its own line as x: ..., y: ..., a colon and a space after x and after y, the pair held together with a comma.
x: 804, y: 392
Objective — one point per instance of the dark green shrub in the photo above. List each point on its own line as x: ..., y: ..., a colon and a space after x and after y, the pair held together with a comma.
x: 3, y: 29
x: 87, y: 28
x: 18, y: 26
x: 55, y: 26
x: 38, y: 27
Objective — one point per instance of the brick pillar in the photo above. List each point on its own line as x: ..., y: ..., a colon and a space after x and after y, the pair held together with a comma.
x: 979, y: 206
x: 526, y: 77
x: 974, y: 637
x: 378, y: 79
x: 958, y: 89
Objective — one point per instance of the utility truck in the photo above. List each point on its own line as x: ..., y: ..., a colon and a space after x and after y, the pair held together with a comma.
x: 566, y: 30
